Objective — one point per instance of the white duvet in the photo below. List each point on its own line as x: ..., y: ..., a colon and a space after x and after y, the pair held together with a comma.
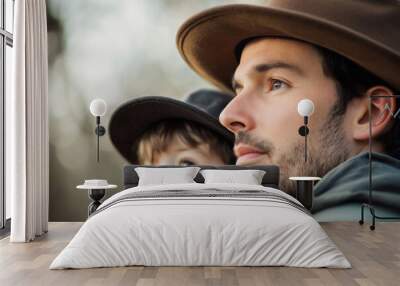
x: 183, y: 231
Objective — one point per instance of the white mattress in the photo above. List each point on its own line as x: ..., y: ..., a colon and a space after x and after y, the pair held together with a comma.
x: 183, y: 231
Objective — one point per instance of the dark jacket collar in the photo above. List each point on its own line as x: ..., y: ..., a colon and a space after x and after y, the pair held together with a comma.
x: 349, y: 182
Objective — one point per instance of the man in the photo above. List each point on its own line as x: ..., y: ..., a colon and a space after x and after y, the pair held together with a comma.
x: 336, y: 53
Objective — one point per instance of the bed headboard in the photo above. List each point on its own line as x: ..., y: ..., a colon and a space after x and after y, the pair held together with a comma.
x: 270, y: 179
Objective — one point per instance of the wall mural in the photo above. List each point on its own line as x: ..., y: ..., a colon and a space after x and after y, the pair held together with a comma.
x: 115, y: 65
x: 116, y: 51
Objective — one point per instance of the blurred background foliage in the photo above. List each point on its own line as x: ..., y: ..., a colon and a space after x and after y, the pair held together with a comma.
x: 114, y: 50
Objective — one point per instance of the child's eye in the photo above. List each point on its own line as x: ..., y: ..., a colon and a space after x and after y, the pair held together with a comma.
x: 277, y: 84
x: 186, y: 163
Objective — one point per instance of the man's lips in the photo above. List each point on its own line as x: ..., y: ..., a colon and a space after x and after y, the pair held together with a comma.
x: 246, y: 152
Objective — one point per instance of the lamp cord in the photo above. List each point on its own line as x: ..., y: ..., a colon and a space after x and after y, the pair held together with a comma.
x: 98, y: 143
x: 305, y: 147
x: 98, y: 136
x: 305, y: 137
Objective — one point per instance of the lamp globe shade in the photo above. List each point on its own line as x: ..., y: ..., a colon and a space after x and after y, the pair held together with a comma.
x: 98, y: 107
x: 305, y: 107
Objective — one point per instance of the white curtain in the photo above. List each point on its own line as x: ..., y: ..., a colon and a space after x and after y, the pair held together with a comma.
x: 27, y: 138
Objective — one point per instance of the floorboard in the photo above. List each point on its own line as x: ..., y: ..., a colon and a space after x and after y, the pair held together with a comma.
x: 374, y: 255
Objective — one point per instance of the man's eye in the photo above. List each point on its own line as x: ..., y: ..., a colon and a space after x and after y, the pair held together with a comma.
x: 277, y: 84
x: 186, y: 163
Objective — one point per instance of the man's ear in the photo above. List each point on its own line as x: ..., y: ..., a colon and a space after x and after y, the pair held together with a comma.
x: 382, y: 111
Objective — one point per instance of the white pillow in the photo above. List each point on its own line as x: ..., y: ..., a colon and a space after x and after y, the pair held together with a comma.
x: 162, y: 176
x: 248, y: 177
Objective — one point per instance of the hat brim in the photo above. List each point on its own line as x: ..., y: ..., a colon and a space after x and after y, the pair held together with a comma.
x: 207, y: 41
x: 133, y: 118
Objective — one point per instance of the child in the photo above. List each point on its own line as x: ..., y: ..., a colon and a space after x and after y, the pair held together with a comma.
x: 165, y: 131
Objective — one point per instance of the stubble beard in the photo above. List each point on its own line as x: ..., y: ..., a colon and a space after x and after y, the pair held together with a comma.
x: 327, y: 149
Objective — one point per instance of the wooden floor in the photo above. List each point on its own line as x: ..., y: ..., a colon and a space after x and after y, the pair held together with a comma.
x: 374, y: 255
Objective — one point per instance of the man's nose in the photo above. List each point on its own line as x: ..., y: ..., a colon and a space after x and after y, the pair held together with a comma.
x: 237, y: 115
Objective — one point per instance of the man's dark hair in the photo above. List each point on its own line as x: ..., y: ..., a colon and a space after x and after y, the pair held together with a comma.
x: 353, y: 81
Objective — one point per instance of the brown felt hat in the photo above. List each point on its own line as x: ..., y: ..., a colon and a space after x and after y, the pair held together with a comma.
x: 364, y: 31
x: 130, y: 120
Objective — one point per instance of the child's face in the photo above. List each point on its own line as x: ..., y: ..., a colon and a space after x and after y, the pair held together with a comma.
x: 179, y: 153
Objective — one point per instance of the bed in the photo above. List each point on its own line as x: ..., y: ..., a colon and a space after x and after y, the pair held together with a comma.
x: 201, y: 224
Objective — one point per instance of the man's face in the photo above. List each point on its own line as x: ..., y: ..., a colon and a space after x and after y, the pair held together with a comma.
x: 272, y: 77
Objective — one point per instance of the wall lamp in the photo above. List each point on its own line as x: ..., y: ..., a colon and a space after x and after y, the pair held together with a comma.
x: 98, y: 108
x: 305, y: 108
